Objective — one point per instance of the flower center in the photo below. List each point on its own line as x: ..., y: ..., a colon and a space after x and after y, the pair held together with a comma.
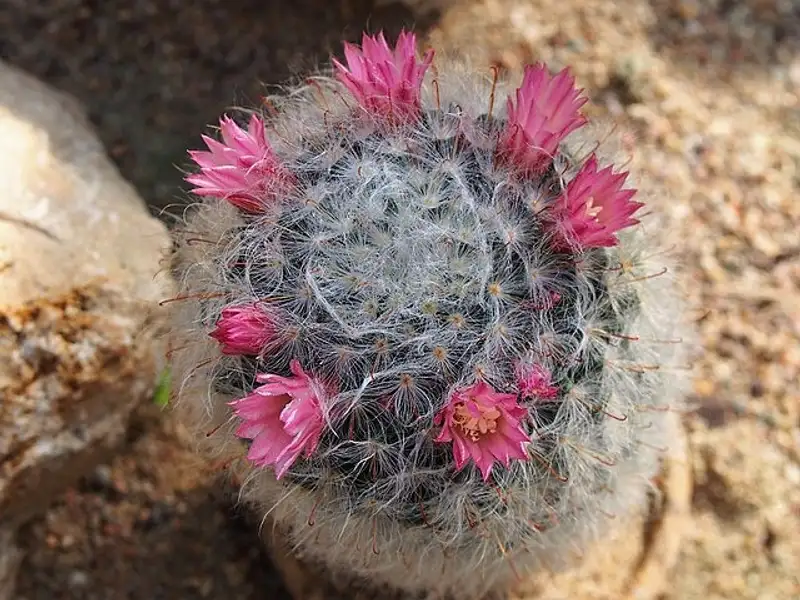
x: 476, y: 421
x: 592, y: 210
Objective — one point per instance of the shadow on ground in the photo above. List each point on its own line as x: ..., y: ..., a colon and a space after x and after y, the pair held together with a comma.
x: 153, y: 524
x: 198, y: 549
x: 154, y: 73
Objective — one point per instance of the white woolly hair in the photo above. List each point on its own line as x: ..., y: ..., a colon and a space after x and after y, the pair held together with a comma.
x: 372, y: 217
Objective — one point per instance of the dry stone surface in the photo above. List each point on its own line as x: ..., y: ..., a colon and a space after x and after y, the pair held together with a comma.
x: 79, y: 280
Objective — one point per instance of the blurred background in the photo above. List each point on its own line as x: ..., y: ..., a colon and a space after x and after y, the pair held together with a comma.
x: 710, y: 92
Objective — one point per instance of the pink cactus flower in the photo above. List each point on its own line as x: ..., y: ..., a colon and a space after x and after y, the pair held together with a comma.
x: 385, y: 82
x: 534, y: 381
x: 484, y: 426
x: 243, y: 330
x: 593, y: 208
x: 242, y: 169
x: 283, y: 418
x: 546, y: 111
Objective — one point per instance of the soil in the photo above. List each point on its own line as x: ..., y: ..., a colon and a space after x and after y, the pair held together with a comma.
x: 710, y: 90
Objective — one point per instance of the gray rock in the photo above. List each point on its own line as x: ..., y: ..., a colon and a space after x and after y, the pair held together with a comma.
x: 80, y: 282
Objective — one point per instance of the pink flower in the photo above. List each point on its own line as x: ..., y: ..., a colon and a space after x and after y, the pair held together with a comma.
x: 546, y: 111
x: 534, y: 382
x: 593, y: 208
x: 386, y: 83
x: 243, y: 330
x: 242, y: 168
x: 283, y: 418
x: 484, y: 426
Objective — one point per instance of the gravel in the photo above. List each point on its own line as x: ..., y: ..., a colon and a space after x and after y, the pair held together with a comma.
x: 153, y: 524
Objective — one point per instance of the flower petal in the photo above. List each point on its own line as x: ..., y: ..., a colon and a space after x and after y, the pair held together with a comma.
x: 242, y: 168
x: 547, y: 109
x: 286, y: 416
x: 592, y: 209
x: 385, y: 82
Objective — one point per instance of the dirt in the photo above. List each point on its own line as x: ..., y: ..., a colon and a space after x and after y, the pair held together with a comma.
x: 710, y: 90
x: 154, y: 73
x: 152, y: 524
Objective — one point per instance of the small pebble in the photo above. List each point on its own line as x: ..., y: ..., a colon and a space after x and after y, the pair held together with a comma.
x: 78, y: 579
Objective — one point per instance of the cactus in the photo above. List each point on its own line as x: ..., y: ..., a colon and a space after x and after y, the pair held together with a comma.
x: 428, y: 326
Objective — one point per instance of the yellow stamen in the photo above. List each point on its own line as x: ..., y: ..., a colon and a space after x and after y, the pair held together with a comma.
x: 591, y: 209
x: 476, y: 427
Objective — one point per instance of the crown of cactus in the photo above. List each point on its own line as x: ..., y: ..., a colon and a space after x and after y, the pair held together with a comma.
x: 430, y: 324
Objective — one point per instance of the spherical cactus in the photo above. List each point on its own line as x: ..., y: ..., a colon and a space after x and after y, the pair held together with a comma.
x: 427, y: 323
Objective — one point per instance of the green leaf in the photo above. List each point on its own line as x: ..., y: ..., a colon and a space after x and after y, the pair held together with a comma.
x: 161, y: 396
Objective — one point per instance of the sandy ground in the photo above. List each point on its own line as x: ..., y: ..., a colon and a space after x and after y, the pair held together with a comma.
x: 709, y: 88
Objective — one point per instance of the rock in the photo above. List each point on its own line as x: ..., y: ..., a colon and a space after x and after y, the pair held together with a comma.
x: 80, y: 281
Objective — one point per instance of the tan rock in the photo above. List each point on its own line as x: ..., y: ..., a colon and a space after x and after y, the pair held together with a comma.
x: 80, y: 276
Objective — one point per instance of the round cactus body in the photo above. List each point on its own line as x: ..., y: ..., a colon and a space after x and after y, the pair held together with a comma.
x: 429, y: 319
